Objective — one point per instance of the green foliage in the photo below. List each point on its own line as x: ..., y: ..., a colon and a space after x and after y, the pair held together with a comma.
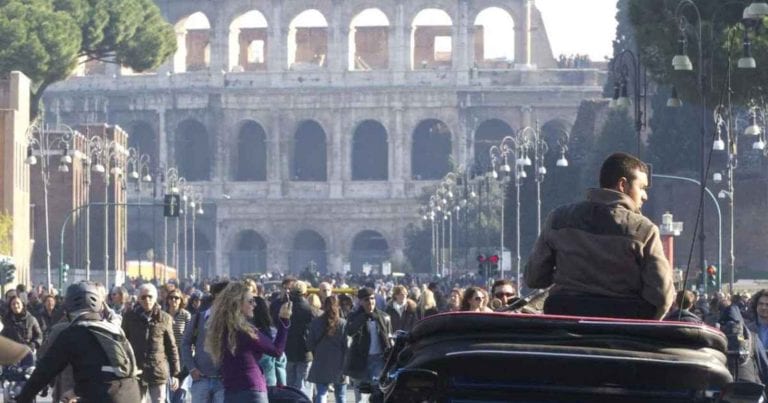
x: 625, y: 39
x: 46, y: 39
x: 656, y: 33
x: 6, y: 228
x: 617, y: 134
x: 673, y: 145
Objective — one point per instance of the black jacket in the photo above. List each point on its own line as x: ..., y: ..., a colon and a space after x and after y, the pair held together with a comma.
x: 301, y: 316
x: 356, y: 362
x: 405, y: 321
x: 23, y: 329
x: 76, y: 346
x: 153, y: 344
x: 46, y: 320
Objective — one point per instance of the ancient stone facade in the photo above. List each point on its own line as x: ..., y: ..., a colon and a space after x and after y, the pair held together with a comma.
x: 311, y: 141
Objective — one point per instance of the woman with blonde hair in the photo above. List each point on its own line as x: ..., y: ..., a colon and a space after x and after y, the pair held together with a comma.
x: 236, y: 346
x: 427, y: 305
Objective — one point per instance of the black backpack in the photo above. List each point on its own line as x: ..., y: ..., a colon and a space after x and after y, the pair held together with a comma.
x: 116, y: 346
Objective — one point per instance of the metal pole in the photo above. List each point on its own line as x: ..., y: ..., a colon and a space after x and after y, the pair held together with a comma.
x: 106, y: 225
x: 717, y: 209
x: 501, y: 233
x: 176, y: 247
x: 450, y: 245
x: 442, y: 245
x: 43, y: 168
x: 517, y: 227
x: 88, y: 224
x: 194, y: 236
x: 732, y: 256
x: 165, y: 248
x: 186, y: 247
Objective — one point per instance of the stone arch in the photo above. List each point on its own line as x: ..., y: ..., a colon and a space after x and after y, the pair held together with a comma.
x: 368, y: 247
x: 489, y: 133
x: 370, y: 151
x: 250, y: 162
x: 309, y: 160
x: 308, y: 247
x: 431, y: 150
x: 142, y: 137
x: 193, y: 151
x: 307, y: 40
x: 249, y: 254
x: 248, y: 42
x: 193, y: 38
x: 205, y: 255
x: 369, y: 40
x: 431, y: 39
x: 494, y: 38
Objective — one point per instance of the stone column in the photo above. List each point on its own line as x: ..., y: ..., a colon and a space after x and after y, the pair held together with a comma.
x: 399, y: 154
x: 276, y: 43
x: 275, y: 172
x: 220, y: 257
x: 335, y: 156
x: 338, y: 46
x: 399, y: 45
x: 462, y: 43
x: 527, y: 33
x: 218, y: 38
x: 162, y: 137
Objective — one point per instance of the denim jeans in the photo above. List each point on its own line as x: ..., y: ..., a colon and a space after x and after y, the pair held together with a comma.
x: 374, y: 366
x: 207, y: 390
x: 245, y: 396
x: 297, y: 376
x: 153, y: 393
x: 339, y: 391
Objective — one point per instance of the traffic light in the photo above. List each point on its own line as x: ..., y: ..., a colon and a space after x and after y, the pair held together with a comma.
x: 64, y: 274
x: 7, y: 274
x: 481, y: 264
x: 171, y: 205
x: 493, y: 262
x: 712, y: 277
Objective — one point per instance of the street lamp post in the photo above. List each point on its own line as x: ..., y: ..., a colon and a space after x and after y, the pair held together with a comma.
x: 197, y: 209
x: 47, y: 144
x: 138, y: 166
x: 625, y: 66
x: 171, y: 184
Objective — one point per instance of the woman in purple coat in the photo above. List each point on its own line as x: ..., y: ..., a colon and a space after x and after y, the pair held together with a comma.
x: 237, y: 346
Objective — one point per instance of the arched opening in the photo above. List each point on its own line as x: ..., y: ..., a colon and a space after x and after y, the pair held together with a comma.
x: 251, y: 153
x: 369, y: 40
x: 370, y: 152
x: 142, y: 138
x: 193, y: 41
x: 309, y: 153
x: 193, y: 151
x: 494, y: 38
x: 368, y: 248
x: 489, y: 134
x: 204, y: 259
x: 431, y: 150
x: 248, y: 37
x: 249, y: 256
x: 307, y: 41
x: 431, y: 39
x: 308, y: 252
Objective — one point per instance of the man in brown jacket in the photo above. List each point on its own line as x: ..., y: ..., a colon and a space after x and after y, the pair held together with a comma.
x: 602, y: 256
x: 150, y: 332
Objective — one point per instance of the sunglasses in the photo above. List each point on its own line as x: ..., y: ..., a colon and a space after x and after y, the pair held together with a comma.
x: 504, y: 294
x: 174, y: 297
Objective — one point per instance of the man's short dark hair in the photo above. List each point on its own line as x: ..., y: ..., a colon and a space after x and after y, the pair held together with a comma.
x: 755, y: 299
x: 619, y: 165
x: 501, y: 283
x: 217, y: 288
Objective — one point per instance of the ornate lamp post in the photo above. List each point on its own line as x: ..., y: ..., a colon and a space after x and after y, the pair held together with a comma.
x: 626, y: 66
x: 46, y: 143
x: 138, y: 166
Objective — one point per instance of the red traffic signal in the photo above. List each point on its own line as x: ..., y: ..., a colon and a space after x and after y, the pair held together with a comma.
x: 481, y: 258
x: 493, y: 259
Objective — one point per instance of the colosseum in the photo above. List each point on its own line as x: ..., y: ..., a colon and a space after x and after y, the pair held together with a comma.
x: 311, y: 127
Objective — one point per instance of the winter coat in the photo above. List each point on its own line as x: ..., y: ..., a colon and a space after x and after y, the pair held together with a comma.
x: 153, y: 342
x: 404, y: 321
x: 328, y: 352
x: 301, y: 316
x: 273, y: 368
x: 47, y: 320
x: 22, y: 328
x: 76, y: 346
x: 356, y: 360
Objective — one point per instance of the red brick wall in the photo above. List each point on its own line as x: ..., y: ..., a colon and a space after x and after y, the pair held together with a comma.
x: 424, y: 45
x: 197, y: 41
x: 248, y: 35
x: 372, y: 45
x: 311, y: 44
